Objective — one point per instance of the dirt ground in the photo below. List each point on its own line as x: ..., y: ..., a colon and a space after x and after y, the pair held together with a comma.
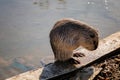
x: 111, y: 69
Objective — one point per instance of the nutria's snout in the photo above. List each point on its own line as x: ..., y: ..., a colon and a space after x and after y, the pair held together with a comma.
x: 95, y: 45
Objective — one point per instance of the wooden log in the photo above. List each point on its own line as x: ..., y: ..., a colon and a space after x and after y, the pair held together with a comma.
x: 29, y: 75
x: 60, y: 71
x: 34, y: 74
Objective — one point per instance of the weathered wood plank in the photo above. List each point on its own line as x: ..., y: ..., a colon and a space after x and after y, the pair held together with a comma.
x: 106, y: 46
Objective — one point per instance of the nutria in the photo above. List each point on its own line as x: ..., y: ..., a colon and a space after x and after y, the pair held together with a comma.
x: 68, y: 34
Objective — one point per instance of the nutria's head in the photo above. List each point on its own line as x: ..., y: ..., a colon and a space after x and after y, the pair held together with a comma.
x: 90, y: 39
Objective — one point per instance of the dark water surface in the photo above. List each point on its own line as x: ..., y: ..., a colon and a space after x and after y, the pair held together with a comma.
x: 25, y: 26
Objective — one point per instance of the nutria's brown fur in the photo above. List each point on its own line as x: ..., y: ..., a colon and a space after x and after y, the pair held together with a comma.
x: 68, y: 34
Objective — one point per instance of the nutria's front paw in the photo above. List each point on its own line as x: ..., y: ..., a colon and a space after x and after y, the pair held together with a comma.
x: 74, y: 61
x: 78, y: 55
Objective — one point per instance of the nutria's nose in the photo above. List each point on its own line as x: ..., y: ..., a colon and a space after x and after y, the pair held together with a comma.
x: 95, y: 45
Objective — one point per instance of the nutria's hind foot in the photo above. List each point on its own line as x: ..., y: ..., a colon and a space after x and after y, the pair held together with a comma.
x: 78, y: 55
x: 74, y: 61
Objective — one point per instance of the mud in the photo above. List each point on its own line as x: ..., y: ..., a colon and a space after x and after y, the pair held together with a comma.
x: 111, y: 69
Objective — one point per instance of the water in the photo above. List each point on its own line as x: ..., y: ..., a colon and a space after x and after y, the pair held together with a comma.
x: 25, y: 26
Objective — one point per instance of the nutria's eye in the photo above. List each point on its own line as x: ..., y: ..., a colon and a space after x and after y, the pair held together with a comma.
x: 92, y: 35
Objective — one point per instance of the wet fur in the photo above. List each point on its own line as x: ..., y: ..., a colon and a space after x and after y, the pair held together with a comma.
x: 69, y: 34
